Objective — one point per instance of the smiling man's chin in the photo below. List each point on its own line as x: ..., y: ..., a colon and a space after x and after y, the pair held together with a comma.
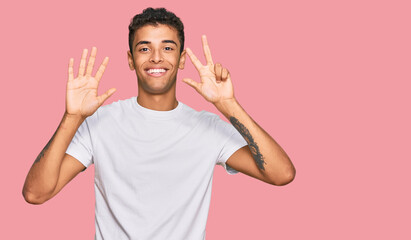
x: 155, y: 86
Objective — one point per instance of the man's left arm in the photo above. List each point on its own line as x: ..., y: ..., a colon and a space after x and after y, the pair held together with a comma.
x: 264, y: 159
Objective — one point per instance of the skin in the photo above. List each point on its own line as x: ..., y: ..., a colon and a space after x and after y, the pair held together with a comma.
x: 262, y: 159
x: 53, y: 168
x: 156, y: 47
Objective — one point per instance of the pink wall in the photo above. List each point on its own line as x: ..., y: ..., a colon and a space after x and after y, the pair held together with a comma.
x: 330, y: 81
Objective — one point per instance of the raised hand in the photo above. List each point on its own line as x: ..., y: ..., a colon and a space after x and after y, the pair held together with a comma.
x: 215, y: 85
x: 81, y: 97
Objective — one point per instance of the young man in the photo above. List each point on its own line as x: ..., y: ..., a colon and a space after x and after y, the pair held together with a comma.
x: 154, y: 156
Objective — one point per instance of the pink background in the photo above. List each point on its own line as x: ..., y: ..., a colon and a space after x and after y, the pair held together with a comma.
x: 329, y: 80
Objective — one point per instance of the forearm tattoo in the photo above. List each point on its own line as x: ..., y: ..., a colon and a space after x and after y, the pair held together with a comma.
x: 255, y: 151
x: 46, y: 147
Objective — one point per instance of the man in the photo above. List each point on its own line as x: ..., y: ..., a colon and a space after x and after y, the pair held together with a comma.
x: 154, y: 156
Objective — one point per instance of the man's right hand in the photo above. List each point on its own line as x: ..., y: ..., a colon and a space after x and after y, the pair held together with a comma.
x: 81, y: 97
x: 54, y: 168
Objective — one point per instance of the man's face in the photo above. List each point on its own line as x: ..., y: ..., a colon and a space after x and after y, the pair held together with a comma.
x: 156, y: 58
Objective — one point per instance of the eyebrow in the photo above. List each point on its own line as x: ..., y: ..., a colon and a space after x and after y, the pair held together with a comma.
x: 148, y: 42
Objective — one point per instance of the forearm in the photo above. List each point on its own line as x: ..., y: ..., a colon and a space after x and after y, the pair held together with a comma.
x: 44, y: 173
x: 270, y: 158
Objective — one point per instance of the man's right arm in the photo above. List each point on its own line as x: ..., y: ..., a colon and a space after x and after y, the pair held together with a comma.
x: 53, y: 168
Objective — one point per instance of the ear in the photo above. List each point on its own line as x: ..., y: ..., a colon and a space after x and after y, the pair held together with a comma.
x: 182, y: 60
x: 130, y: 61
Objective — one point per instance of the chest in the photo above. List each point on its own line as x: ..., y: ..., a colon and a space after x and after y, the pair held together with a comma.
x: 154, y: 154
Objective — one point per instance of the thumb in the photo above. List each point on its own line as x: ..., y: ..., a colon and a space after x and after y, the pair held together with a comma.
x: 192, y: 83
x: 102, y: 98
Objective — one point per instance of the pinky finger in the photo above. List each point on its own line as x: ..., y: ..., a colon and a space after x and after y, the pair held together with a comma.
x: 70, y: 70
x: 102, y: 98
x: 224, y: 74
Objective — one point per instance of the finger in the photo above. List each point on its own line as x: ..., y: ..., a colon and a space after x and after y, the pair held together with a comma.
x: 192, y: 83
x: 101, y: 69
x: 70, y: 70
x: 82, y: 67
x: 207, y: 52
x: 91, y: 61
x: 224, y: 74
x: 218, y: 69
x: 194, y: 59
x: 103, y: 97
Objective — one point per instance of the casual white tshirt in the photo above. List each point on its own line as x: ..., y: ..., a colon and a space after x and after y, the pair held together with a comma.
x: 153, y: 169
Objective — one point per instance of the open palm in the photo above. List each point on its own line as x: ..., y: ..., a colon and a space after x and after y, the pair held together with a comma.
x: 215, y: 85
x: 81, y: 97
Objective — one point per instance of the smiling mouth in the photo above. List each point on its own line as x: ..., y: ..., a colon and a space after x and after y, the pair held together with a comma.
x: 156, y: 72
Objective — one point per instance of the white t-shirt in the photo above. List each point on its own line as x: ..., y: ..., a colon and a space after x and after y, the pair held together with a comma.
x: 153, y: 169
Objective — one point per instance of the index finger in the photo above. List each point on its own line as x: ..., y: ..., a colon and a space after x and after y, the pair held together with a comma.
x: 194, y: 59
x: 207, y: 52
x: 101, y: 69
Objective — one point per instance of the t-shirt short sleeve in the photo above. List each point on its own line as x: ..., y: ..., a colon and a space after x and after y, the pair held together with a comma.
x: 232, y: 141
x: 80, y: 147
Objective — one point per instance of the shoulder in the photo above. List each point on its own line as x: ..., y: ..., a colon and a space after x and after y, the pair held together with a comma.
x: 113, y: 110
x: 119, y: 105
x: 203, y: 117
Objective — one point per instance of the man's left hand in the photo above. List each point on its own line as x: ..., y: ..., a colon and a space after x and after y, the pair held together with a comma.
x: 215, y: 86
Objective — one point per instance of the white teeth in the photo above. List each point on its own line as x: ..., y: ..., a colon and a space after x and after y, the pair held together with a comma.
x: 156, y: 70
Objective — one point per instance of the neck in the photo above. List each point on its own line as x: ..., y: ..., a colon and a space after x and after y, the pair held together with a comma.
x: 158, y: 102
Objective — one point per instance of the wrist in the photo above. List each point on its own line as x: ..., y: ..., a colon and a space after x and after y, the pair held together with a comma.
x: 227, y: 107
x: 73, y: 118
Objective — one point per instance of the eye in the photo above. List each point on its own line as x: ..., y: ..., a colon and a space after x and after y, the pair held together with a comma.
x: 168, y: 48
x: 143, y: 49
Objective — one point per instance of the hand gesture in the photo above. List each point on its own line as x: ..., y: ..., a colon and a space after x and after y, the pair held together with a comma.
x: 215, y: 85
x: 81, y: 97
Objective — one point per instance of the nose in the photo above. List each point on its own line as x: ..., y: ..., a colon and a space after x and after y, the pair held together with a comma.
x: 156, y: 57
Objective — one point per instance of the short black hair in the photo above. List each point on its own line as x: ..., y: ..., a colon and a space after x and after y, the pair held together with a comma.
x: 155, y: 16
